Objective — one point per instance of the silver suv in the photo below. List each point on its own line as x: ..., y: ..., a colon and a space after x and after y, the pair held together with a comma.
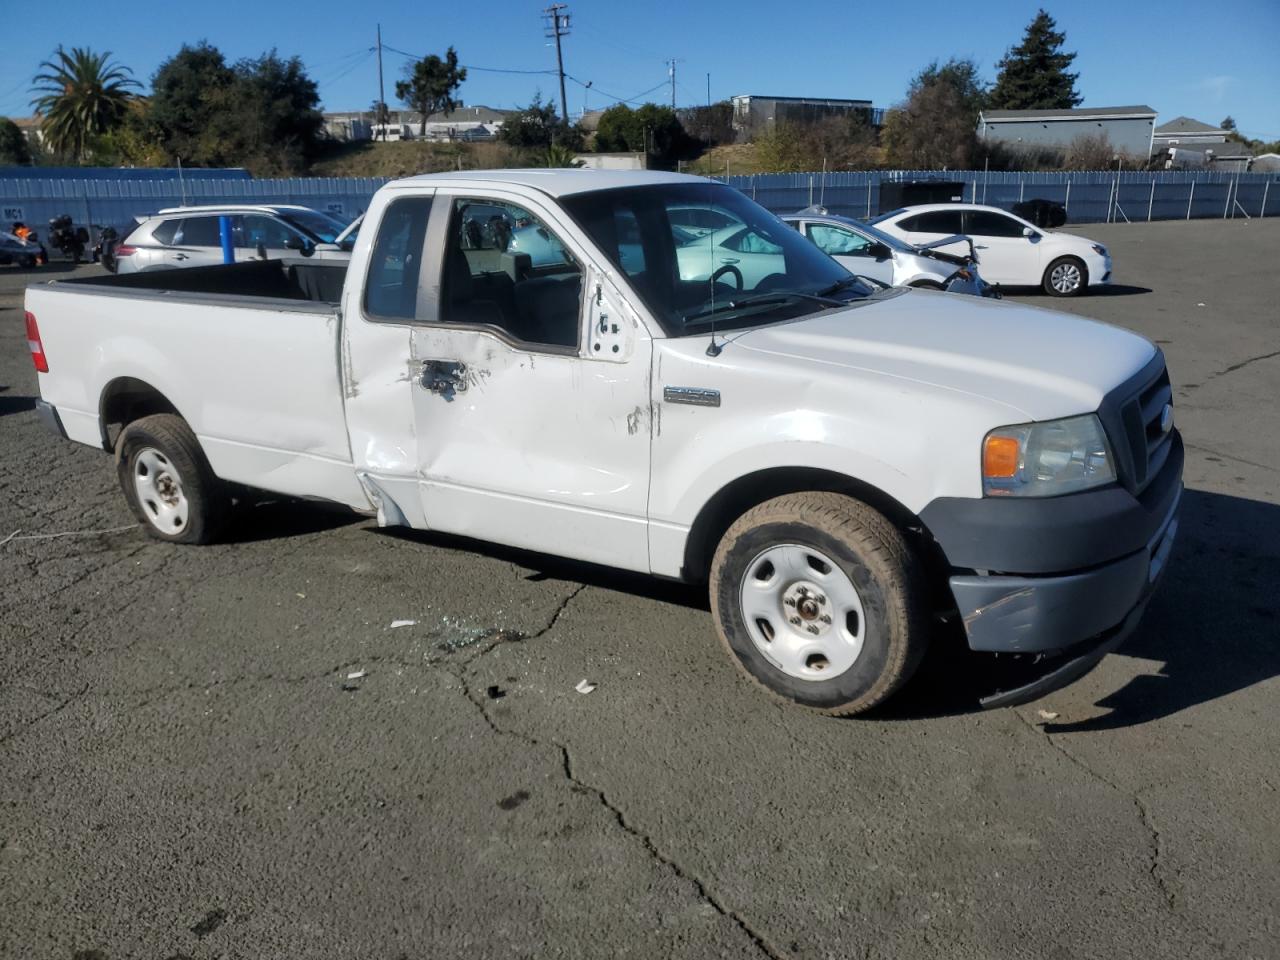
x: 191, y: 237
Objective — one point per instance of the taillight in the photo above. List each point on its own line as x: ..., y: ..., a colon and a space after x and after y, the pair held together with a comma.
x: 37, y: 348
x: 124, y: 250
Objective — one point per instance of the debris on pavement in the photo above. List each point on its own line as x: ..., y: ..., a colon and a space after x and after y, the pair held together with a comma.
x: 356, y: 675
x: 402, y: 623
x: 585, y: 686
x: 495, y: 692
x: 1047, y: 714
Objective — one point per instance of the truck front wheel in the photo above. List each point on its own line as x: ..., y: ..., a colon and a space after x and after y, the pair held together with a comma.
x: 819, y: 600
x: 168, y: 482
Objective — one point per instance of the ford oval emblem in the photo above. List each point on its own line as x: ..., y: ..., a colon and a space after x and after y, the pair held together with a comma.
x: 1166, y: 418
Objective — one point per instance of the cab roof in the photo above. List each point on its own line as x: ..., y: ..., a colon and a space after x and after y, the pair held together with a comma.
x: 557, y: 182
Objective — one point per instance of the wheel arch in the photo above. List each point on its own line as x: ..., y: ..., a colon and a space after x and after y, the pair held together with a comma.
x: 740, y: 495
x: 124, y: 400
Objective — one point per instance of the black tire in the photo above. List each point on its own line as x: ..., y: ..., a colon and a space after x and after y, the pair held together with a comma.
x: 1065, y: 262
x: 878, y: 563
x: 165, y: 438
x: 926, y: 285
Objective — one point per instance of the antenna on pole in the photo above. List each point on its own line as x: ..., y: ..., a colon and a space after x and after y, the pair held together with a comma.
x: 671, y: 71
x: 382, y: 117
x: 558, y: 26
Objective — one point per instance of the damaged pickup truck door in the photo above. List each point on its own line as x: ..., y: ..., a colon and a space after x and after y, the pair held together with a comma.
x: 531, y: 393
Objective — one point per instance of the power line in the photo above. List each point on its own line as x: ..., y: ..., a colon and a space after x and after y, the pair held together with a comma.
x: 469, y: 66
x: 633, y: 99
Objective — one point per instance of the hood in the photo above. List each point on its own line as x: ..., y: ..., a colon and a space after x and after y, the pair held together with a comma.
x: 1043, y: 363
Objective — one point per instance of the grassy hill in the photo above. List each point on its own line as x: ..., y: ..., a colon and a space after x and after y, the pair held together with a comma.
x: 405, y: 158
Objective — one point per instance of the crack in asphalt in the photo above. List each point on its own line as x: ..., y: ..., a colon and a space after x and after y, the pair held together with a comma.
x: 1231, y: 457
x: 62, y: 705
x: 1231, y: 369
x: 757, y: 938
x: 1156, y: 870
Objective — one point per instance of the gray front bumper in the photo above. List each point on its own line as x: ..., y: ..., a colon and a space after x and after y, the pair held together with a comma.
x: 1010, y: 614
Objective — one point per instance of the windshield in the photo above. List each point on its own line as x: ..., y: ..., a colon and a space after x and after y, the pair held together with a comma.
x: 892, y: 242
x: 703, y: 255
x: 318, y: 226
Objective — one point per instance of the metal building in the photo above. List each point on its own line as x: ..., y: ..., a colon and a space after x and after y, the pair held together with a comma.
x: 754, y: 114
x: 1129, y: 129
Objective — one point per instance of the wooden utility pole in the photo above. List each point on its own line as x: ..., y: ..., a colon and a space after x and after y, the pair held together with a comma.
x: 381, y: 117
x: 558, y: 26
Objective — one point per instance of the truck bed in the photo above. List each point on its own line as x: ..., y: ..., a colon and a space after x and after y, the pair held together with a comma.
x: 318, y: 281
x: 248, y: 354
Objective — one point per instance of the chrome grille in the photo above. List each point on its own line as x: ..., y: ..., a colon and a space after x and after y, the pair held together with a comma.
x: 1149, y: 443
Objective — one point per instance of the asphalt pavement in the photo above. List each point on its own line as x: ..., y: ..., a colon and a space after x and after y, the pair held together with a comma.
x: 325, y: 740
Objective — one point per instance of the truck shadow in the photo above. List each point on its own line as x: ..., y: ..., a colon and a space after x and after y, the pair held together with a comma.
x: 15, y: 403
x: 1213, y: 627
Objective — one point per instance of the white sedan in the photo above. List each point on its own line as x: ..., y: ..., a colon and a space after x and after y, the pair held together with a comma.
x: 1011, y: 251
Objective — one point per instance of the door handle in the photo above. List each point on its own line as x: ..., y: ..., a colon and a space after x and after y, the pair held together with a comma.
x: 728, y: 259
x: 444, y: 378
x: 180, y: 256
x: 979, y: 246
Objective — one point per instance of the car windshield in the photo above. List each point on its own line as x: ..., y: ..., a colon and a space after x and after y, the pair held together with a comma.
x: 893, y: 243
x: 736, y: 265
x: 318, y: 226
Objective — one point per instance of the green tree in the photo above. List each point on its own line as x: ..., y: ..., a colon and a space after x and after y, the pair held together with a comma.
x: 650, y: 129
x: 81, y: 95
x: 534, y: 128
x: 1034, y: 75
x: 187, y: 92
x: 1228, y: 123
x: 14, y: 149
x: 263, y: 113
x: 430, y: 85
x: 936, y: 125
x: 270, y: 118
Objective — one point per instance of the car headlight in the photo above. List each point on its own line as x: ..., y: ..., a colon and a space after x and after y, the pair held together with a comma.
x: 1046, y: 459
x: 1099, y: 249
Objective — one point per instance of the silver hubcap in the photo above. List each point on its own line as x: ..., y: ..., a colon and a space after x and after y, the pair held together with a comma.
x: 1065, y: 277
x: 159, y: 490
x: 802, y: 612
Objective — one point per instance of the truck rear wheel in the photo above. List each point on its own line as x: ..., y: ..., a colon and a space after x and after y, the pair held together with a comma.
x: 168, y: 482
x: 819, y: 599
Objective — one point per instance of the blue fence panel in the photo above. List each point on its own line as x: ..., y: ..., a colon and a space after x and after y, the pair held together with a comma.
x: 1089, y: 196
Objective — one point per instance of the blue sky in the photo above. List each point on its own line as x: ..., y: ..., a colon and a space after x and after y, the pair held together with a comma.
x: 1176, y: 56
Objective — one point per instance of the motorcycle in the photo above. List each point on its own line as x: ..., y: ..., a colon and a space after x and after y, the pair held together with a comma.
x: 67, y: 238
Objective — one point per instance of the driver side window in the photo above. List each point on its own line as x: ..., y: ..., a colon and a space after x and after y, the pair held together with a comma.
x: 505, y: 268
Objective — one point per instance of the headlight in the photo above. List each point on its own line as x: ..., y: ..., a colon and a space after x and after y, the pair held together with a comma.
x: 1046, y: 459
x: 1099, y: 249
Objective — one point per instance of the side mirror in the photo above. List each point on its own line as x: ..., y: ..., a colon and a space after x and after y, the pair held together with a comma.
x: 1028, y: 233
x: 295, y: 243
x: 880, y: 251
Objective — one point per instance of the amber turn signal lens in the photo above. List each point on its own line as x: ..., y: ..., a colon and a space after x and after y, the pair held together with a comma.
x: 1000, y: 458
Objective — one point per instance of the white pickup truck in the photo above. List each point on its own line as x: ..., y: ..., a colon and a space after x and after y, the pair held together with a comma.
x: 845, y: 468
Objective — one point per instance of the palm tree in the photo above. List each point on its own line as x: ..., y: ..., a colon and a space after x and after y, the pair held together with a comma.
x: 82, y: 95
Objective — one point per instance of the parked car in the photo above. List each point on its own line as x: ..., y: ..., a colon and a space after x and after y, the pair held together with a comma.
x: 867, y: 252
x: 25, y: 252
x: 1012, y: 251
x: 842, y: 466
x: 191, y: 237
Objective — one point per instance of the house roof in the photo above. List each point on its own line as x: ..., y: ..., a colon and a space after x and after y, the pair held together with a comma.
x: 813, y: 100
x: 1079, y: 113
x: 1187, y: 125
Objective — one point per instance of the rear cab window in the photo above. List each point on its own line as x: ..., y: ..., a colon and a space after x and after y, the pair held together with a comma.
x: 199, y: 232
x: 395, y: 265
